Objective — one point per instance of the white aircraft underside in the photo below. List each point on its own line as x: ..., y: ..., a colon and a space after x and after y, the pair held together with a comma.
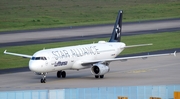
x: 96, y: 56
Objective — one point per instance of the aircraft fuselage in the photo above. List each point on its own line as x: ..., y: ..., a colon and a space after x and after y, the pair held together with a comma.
x: 71, y: 57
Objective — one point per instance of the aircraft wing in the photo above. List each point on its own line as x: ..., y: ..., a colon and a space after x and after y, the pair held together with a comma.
x: 16, y: 54
x: 124, y: 58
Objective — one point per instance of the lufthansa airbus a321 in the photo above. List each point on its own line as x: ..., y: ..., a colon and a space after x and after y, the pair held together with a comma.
x: 96, y: 56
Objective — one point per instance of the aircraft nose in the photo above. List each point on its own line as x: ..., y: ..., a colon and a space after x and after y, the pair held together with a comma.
x: 35, y: 66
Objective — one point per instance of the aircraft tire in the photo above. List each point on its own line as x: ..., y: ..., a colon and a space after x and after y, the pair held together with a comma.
x: 59, y: 73
x: 101, y: 76
x: 43, y: 80
x: 63, y: 74
x: 96, y: 76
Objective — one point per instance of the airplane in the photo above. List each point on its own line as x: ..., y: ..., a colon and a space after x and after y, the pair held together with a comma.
x: 96, y: 56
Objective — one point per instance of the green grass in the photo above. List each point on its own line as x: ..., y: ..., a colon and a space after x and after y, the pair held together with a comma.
x: 32, y: 14
x: 160, y: 41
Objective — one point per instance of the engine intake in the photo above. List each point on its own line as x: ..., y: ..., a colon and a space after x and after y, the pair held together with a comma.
x: 99, y: 69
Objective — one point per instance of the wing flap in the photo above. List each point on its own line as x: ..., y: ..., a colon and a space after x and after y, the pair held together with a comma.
x: 16, y: 54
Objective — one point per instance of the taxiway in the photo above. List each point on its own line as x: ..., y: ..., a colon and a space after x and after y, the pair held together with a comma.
x: 152, y: 71
x: 27, y: 37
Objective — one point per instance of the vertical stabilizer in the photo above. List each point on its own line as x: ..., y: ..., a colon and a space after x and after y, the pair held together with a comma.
x: 116, y: 34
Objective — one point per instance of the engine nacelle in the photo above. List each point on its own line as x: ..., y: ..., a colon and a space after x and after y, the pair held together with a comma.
x: 99, y: 69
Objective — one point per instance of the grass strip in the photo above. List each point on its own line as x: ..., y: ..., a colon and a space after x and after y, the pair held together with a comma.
x: 160, y: 41
x: 33, y: 14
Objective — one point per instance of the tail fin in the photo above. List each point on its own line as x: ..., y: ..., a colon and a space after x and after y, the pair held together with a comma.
x: 116, y: 34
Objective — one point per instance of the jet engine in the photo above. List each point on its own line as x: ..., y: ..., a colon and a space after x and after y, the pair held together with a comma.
x: 99, y: 69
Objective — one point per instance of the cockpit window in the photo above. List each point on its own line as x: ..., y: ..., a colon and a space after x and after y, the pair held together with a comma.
x: 38, y: 58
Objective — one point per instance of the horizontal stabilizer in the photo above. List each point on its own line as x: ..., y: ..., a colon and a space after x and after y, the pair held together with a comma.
x: 174, y: 53
x: 138, y: 45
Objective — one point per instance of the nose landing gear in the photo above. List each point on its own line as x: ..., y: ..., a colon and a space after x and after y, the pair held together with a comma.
x: 43, y: 80
x: 59, y: 75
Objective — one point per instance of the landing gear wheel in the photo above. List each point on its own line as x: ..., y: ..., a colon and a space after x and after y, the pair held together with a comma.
x: 59, y: 73
x: 43, y: 80
x: 63, y: 74
x: 101, y: 76
x: 96, y: 76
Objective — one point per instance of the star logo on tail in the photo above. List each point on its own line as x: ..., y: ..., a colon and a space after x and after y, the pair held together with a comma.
x: 118, y: 29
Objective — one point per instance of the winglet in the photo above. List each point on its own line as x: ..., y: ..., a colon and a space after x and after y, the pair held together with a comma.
x: 5, y: 51
x: 174, y: 53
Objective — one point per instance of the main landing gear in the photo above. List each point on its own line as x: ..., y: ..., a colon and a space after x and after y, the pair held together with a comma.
x: 43, y: 80
x: 61, y: 74
x: 99, y: 76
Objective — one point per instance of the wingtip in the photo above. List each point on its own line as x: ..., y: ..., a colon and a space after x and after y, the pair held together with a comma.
x: 5, y: 51
x: 174, y: 53
x: 151, y: 44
